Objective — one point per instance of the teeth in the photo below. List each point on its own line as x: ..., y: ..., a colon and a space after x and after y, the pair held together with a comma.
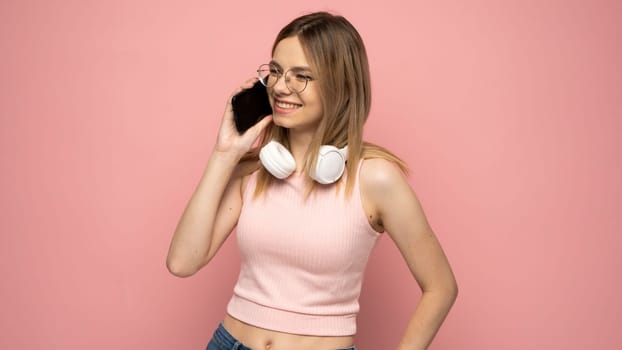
x: 286, y: 105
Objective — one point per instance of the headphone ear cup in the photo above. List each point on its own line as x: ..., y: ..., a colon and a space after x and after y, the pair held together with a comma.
x: 277, y: 160
x: 331, y: 163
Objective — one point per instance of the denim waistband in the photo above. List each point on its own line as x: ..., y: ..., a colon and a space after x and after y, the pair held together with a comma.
x: 228, y: 342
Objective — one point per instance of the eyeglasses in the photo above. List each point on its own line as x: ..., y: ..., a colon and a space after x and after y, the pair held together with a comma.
x: 295, y: 79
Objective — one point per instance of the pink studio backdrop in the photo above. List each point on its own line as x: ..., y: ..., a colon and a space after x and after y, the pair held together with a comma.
x: 508, y: 112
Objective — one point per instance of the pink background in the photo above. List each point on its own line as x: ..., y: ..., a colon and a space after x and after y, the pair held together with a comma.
x: 509, y: 113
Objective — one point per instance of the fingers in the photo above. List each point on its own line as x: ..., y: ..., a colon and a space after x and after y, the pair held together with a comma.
x: 246, y: 85
x: 249, y: 83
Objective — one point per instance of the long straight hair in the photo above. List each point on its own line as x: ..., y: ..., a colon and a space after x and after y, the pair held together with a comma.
x: 338, y: 58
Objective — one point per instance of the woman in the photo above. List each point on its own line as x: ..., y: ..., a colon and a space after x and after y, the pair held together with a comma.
x: 305, y: 233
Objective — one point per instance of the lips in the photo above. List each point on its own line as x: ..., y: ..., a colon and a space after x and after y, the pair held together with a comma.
x: 285, y: 107
x: 286, y: 104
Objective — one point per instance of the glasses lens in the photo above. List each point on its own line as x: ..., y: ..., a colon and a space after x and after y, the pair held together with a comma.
x: 296, y: 81
x: 264, y: 75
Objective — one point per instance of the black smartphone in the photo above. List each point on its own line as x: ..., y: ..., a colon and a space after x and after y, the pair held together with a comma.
x: 250, y: 106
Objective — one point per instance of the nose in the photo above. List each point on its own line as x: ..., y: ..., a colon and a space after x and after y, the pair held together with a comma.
x: 280, y: 87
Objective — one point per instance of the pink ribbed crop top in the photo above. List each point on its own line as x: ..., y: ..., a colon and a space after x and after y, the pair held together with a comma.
x: 302, y: 262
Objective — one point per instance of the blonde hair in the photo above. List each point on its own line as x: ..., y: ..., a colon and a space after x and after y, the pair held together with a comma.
x: 338, y: 58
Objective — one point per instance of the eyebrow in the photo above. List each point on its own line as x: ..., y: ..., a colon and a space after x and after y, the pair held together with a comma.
x: 296, y: 68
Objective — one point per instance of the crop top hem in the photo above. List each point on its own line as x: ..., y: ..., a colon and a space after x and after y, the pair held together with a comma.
x: 278, y: 320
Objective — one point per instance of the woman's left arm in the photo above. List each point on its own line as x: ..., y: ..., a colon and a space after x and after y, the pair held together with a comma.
x: 396, y: 209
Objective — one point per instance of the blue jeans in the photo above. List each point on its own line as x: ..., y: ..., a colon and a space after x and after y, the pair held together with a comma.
x: 223, y: 340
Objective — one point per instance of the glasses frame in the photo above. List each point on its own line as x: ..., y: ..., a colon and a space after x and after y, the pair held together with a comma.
x: 279, y: 75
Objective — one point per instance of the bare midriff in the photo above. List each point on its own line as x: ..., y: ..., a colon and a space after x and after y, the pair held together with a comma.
x: 264, y: 339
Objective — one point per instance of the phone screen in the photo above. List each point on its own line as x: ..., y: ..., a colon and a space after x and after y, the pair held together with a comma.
x: 250, y: 106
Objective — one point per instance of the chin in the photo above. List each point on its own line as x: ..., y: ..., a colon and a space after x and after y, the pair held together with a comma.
x: 280, y: 120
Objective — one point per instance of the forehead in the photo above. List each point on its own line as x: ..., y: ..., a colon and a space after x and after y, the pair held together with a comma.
x: 289, y: 53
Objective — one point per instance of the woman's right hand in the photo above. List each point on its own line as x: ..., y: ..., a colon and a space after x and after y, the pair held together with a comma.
x: 229, y: 140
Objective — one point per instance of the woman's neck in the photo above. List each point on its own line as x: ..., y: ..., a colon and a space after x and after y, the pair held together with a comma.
x: 299, y: 142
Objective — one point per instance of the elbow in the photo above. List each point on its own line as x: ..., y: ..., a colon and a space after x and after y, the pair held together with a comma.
x: 179, y: 269
x: 453, y: 292
x: 446, y: 291
x: 451, y: 288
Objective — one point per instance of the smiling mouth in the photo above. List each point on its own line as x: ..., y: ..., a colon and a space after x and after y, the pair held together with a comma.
x: 286, y: 105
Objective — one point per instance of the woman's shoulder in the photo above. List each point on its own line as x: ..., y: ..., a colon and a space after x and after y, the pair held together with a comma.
x: 379, y: 174
x: 380, y: 165
x: 380, y: 179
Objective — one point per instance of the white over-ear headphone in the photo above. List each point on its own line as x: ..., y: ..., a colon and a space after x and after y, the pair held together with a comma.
x: 331, y: 162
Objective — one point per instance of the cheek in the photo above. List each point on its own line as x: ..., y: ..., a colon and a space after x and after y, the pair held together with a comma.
x: 315, y: 110
x: 315, y: 105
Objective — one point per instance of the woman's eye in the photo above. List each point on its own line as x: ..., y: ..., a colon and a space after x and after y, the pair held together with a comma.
x: 303, y: 77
